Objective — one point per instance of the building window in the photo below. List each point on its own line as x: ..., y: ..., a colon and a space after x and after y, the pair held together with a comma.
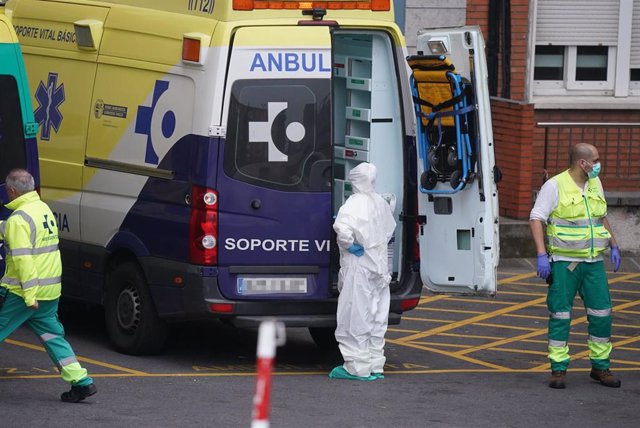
x: 586, y: 48
x: 591, y: 63
x: 549, y: 63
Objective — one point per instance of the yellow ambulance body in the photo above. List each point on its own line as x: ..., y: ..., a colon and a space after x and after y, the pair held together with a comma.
x: 195, y: 152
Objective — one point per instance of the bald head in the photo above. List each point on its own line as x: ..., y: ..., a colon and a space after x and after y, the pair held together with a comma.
x: 582, y: 151
x: 20, y: 181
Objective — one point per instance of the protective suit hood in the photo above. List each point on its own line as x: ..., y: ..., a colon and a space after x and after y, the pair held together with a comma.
x: 363, y: 178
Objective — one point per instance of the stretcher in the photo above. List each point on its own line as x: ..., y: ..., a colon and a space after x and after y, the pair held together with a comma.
x: 442, y: 101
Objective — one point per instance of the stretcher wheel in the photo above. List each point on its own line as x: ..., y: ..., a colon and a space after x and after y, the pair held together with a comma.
x: 433, y: 157
x: 428, y: 180
x: 456, y: 178
x: 452, y: 157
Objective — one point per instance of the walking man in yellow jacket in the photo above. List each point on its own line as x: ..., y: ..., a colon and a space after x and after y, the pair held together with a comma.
x: 32, y: 279
x: 573, y: 206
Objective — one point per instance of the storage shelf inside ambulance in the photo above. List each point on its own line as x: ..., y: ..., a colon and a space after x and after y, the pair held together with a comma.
x: 366, y: 118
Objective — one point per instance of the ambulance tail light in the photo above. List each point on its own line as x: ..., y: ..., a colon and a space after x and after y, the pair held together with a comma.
x: 374, y: 5
x: 203, y: 226
x: 408, y: 304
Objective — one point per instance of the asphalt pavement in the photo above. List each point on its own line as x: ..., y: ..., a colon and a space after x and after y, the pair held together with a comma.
x: 455, y: 361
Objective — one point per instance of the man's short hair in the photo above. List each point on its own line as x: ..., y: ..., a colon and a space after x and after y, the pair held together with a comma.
x: 20, y: 180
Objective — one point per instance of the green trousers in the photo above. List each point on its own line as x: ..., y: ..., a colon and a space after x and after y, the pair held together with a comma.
x: 45, y: 324
x: 590, y: 281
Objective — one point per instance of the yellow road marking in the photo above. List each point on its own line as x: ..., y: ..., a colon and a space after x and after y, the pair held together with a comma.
x: 448, y: 345
x: 518, y: 351
x: 479, y: 300
x: 473, y: 336
x: 432, y: 298
x: 449, y: 354
x: 424, y: 319
x: 456, y: 311
x: 471, y: 320
x: 514, y: 278
x: 522, y: 293
x: 83, y: 359
x: 322, y: 373
x: 400, y: 330
x: 508, y: 327
x: 536, y: 332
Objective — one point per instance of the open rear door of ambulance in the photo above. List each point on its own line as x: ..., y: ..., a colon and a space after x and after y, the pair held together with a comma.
x: 457, y: 192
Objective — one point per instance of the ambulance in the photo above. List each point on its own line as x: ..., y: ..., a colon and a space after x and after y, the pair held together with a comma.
x: 195, y: 153
x: 17, y: 126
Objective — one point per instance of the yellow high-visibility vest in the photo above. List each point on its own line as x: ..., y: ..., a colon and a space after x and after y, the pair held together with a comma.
x: 575, y: 227
x: 33, y: 267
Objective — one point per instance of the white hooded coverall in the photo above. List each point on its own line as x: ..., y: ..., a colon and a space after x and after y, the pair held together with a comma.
x: 363, y: 305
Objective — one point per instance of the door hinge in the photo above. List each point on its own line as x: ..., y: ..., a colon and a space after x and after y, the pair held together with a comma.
x: 218, y: 131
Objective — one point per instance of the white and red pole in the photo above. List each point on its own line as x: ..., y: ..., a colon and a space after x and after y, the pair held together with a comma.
x: 270, y: 335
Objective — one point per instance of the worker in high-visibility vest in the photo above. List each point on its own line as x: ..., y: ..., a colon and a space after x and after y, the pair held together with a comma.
x: 32, y: 279
x: 573, y: 206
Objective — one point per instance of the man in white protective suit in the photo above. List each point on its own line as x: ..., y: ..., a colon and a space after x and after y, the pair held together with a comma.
x: 364, y: 226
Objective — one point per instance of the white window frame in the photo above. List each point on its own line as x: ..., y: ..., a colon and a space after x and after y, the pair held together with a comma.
x: 618, y: 83
x: 600, y: 85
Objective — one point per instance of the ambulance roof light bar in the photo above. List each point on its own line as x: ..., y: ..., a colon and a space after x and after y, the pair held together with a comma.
x: 373, y: 5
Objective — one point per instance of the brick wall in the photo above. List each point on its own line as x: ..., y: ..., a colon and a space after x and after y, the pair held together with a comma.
x: 513, y: 127
x: 478, y: 14
x: 618, y: 146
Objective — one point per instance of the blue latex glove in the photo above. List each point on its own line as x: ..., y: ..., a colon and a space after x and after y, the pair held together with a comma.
x: 615, y: 258
x: 356, y: 250
x: 544, y: 268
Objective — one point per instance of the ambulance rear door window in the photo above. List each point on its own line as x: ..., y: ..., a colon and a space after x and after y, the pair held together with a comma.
x: 12, y: 144
x: 279, y: 134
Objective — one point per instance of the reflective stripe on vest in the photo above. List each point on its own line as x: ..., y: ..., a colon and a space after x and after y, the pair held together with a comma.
x: 575, y: 227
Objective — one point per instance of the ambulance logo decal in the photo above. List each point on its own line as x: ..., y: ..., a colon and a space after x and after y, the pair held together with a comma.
x: 49, y: 98
x: 261, y: 131
x: 144, y: 119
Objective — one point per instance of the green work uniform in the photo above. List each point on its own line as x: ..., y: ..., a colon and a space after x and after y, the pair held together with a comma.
x: 33, y: 273
x: 576, y: 231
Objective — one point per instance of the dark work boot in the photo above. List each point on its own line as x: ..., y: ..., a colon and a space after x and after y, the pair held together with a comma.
x: 78, y: 393
x: 558, y: 378
x: 606, y: 378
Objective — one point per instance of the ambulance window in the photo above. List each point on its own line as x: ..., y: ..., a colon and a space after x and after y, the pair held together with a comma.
x: 278, y: 134
x: 12, y: 146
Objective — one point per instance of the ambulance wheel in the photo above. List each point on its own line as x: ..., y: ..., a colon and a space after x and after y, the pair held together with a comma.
x: 324, y: 338
x: 131, y: 319
x: 428, y: 180
x: 456, y: 178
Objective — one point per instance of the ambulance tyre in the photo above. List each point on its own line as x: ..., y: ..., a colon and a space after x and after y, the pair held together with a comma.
x: 324, y: 338
x: 130, y: 315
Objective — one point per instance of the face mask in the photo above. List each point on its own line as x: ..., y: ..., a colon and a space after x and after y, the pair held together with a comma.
x: 595, y: 171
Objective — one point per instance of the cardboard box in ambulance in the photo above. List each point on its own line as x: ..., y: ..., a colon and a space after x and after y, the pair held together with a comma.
x: 195, y: 154
x: 17, y: 126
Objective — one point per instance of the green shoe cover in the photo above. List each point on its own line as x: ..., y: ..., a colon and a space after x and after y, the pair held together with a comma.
x: 340, y: 373
x: 378, y: 375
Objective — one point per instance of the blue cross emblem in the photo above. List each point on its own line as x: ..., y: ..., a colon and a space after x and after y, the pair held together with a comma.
x: 48, y: 224
x: 144, y: 119
x: 49, y: 98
